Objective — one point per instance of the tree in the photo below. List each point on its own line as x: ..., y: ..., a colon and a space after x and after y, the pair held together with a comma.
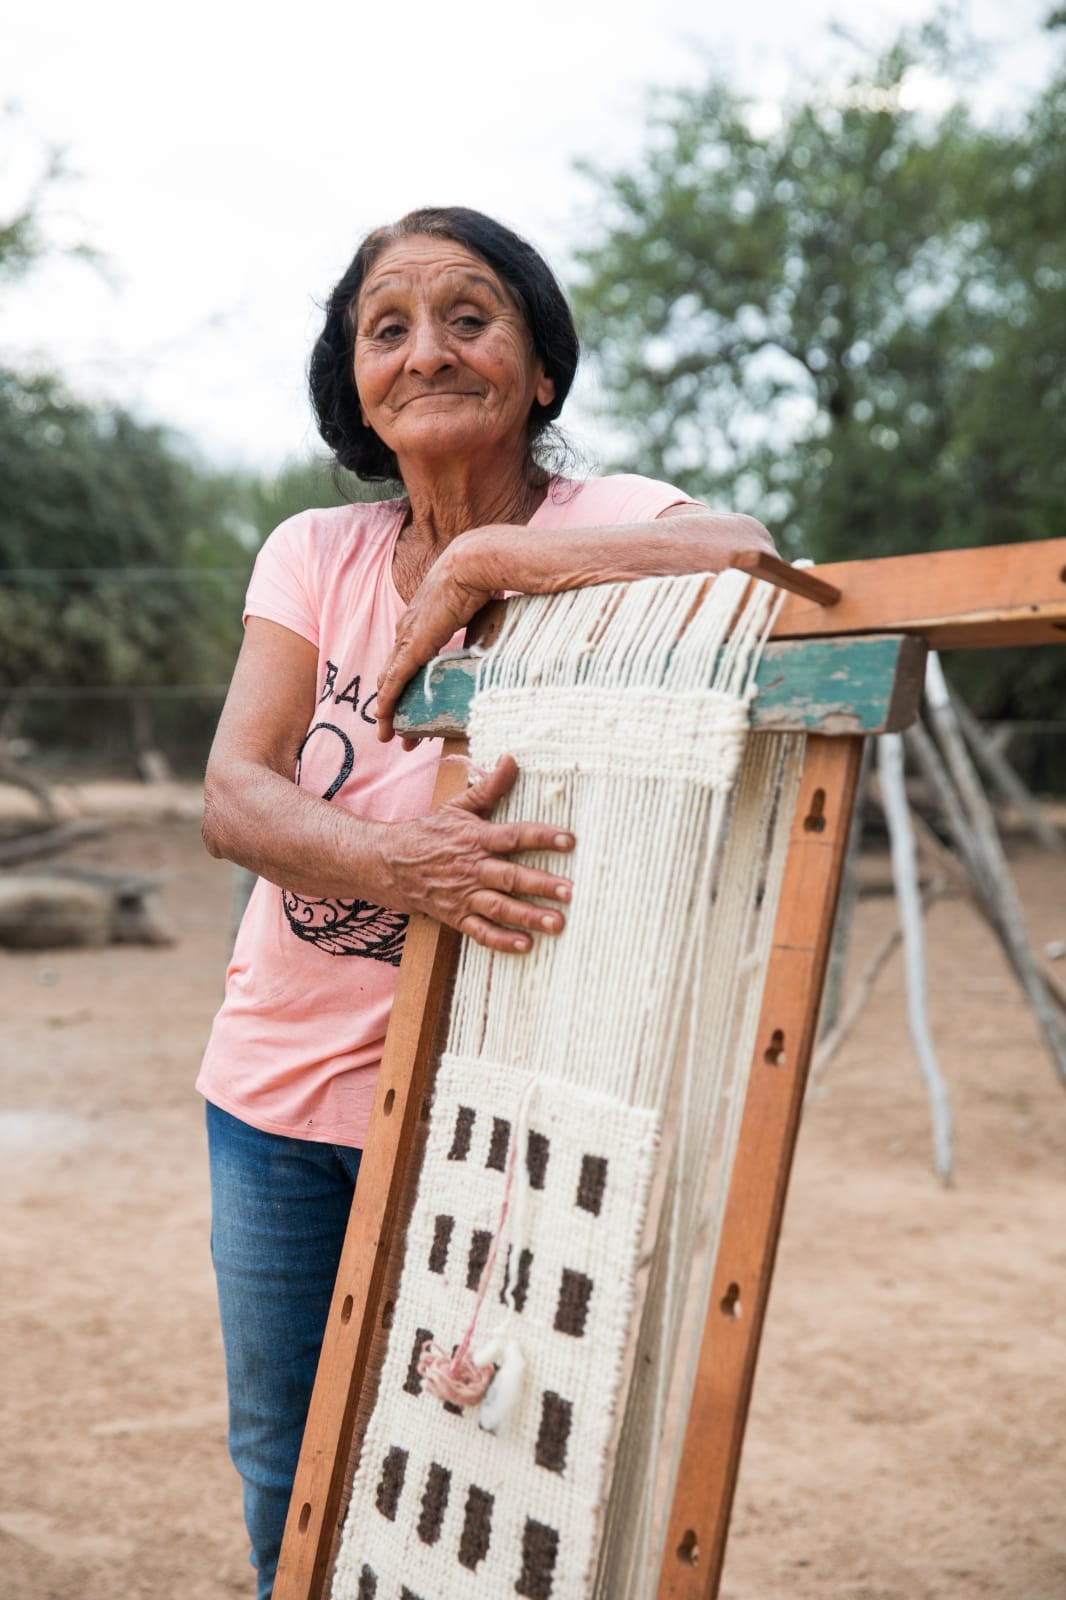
x: 804, y: 319
x: 123, y: 560
x: 122, y: 565
x: 853, y: 325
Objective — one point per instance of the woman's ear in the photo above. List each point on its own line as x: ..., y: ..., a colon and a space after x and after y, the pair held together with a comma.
x: 544, y: 393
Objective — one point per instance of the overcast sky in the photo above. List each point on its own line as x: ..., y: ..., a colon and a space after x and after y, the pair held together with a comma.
x: 228, y: 157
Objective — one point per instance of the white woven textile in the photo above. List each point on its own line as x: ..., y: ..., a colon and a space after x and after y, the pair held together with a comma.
x: 479, y: 1497
x: 626, y: 708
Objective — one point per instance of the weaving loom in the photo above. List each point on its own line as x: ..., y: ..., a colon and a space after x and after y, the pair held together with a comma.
x: 604, y: 1167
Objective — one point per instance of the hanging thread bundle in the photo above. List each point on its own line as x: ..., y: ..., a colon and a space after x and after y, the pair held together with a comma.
x: 585, y: 1112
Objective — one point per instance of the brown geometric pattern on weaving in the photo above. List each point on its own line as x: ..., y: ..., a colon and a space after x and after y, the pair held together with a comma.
x: 540, y: 1546
x: 499, y: 1144
x: 518, y: 1292
x: 443, y: 1228
x: 592, y: 1183
x: 434, y: 1503
x: 575, y: 1293
x: 441, y: 1509
x: 554, y: 1431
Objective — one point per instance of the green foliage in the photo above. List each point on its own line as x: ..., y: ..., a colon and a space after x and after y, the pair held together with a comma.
x: 853, y: 326
x: 120, y: 561
x: 123, y: 560
x: 267, y: 501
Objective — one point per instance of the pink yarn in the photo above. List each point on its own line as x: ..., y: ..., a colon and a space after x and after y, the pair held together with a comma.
x: 453, y: 1378
x: 457, y: 1378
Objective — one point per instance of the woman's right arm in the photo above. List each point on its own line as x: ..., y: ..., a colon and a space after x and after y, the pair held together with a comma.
x: 453, y: 865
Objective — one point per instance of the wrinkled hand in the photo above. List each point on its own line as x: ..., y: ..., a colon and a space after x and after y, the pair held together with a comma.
x: 455, y: 866
x: 443, y: 604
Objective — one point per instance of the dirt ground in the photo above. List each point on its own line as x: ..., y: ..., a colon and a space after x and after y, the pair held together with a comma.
x: 907, y: 1431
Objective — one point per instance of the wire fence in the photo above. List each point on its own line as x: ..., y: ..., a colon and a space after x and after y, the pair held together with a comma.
x: 179, y: 717
x: 123, y: 574
x: 116, y: 691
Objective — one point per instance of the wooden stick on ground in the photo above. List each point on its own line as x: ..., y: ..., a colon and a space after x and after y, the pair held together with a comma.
x: 831, y: 1041
x: 973, y: 817
x: 962, y: 871
x: 1002, y: 776
x: 908, y: 899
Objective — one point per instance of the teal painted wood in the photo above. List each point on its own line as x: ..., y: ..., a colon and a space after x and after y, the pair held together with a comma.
x: 834, y: 686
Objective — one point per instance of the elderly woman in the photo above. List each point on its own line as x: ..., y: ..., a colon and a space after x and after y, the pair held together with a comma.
x: 447, y: 352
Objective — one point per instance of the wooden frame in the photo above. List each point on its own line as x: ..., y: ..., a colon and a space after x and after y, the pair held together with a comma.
x: 1001, y: 596
x: 740, y: 1290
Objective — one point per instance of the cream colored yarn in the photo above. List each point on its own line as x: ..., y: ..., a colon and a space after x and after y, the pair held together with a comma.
x: 627, y: 1039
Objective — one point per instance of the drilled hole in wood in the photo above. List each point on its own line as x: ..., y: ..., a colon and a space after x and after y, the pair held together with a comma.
x: 387, y: 1311
x: 774, y: 1054
x: 346, y: 1308
x: 814, y: 821
x: 390, y: 1101
x: 305, y: 1516
x: 688, y: 1551
x: 729, y: 1305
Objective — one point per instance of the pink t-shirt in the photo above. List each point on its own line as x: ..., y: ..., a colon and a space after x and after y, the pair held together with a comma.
x: 297, y: 1042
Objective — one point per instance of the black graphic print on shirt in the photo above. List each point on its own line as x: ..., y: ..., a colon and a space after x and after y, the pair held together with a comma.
x: 343, y: 927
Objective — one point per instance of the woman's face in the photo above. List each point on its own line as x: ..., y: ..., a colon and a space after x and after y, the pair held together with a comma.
x: 444, y: 364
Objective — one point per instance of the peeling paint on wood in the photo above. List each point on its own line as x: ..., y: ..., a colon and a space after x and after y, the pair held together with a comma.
x: 831, y: 686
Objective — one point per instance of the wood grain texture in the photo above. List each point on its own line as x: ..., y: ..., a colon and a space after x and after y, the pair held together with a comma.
x: 837, y: 686
x: 703, y: 1498
x: 956, y: 599
x: 317, y: 1506
x: 797, y: 580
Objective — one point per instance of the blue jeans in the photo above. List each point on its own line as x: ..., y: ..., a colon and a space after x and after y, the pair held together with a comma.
x: 279, y: 1209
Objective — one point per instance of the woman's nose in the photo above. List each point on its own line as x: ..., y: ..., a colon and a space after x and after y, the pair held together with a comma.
x: 427, y: 350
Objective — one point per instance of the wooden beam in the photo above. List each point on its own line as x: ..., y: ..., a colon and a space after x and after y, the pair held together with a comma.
x: 797, y: 580
x: 956, y: 599
x: 838, y: 686
x: 710, y: 1458
x: 317, y: 1506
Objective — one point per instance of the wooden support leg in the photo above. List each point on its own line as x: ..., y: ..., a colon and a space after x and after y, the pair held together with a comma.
x: 703, y: 1498
x: 316, y: 1509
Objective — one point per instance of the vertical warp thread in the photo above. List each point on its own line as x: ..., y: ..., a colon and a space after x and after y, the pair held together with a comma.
x: 626, y: 708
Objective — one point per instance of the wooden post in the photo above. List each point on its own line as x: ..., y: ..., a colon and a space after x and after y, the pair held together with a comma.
x: 710, y: 1459
x: 1001, y: 774
x: 833, y: 990
x: 975, y: 832
x: 909, y: 905
x: 317, y: 1506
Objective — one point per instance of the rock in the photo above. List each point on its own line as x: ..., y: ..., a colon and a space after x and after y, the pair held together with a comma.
x: 71, y: 907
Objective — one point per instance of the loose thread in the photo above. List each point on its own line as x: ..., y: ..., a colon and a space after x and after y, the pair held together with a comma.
x: 458, y: 1378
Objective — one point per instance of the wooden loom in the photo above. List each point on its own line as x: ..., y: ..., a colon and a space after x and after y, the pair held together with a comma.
x: 846, y: 660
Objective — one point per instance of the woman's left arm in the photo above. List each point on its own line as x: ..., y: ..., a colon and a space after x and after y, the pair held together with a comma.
x: 507, y: 557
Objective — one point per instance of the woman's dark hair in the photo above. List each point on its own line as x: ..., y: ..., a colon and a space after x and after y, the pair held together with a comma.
x: 517, y: 265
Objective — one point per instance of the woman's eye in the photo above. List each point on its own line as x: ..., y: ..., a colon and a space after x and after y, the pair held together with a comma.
x: 469, y: 323
x: 389, y: 330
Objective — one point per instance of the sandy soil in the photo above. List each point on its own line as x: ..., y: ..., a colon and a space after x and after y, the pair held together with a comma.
x: 906, y: 1436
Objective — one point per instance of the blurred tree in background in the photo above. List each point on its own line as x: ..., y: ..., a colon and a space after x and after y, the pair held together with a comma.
x: 123, y: 564
x: 852, y: 324
x: 849, y: 320
x: 123, y: 559
x: 116, y: 554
